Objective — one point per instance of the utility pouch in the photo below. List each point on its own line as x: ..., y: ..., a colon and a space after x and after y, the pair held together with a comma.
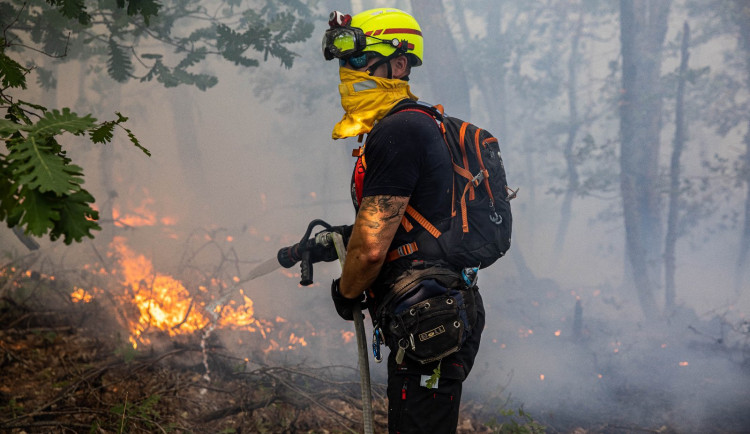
x: 427, y: 315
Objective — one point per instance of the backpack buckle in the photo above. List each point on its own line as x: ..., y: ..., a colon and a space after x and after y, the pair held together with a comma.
x: 479, y: 177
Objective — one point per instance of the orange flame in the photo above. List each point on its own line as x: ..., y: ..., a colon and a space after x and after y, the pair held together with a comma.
x: 347, y: 336
x: 79, y: 295
x: 156, y: 301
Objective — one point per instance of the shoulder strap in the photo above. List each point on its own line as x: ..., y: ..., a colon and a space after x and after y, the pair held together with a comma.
x: 436, y: 111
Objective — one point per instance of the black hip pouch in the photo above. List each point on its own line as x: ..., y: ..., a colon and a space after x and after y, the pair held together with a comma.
x: 428, y: 317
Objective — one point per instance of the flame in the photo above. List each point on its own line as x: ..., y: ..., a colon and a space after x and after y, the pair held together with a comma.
x: 141, y: 215
x: 296, y: 340
x: 151, y: 301
x: 80, y: 294
x: 239, y: 317
x: 525, y: 333
x: 347, y: 336
x: 683, y: 363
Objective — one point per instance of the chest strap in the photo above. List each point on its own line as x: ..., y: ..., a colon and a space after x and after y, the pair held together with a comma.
x: 408, y: 249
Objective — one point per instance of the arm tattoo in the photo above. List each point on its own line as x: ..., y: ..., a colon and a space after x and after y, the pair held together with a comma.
x: 377, y: 210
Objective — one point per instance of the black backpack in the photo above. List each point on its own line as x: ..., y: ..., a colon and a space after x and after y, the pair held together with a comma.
x: 481, y: 223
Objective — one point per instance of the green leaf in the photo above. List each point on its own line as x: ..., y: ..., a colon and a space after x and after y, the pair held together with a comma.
x: 193, y: 58
x: 432, y: 381
x: 135, y: 142
x: 232, y: 45
x: 8, y: 127
x: 37, y: 213
x: 39, y: 167
x: 77, y: 218
x: 12, y: 74
x: 119, y: 66
x: 104, y: 133
x: 56, y: 122
x: 73, y: 9
x: 46, y: 78
x: 147, y: 8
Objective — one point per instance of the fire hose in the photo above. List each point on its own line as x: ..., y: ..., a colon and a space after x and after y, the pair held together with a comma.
x: 311, y: 250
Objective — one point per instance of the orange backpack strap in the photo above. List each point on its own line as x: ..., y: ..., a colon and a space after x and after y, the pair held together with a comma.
x: 419, y: 218
x: 464, y: 157
x: 406, y: 224
x: 481, y: 165
x: 406, y: 249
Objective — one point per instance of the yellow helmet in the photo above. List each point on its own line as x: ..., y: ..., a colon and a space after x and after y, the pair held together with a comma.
x: 391, y: 24
x: 385, y: 31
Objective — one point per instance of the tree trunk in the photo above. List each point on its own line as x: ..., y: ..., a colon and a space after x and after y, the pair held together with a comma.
x: 442, y: 64
x: 643, y: 24
x: 674, y: 178
x: 573, y: 125
x: 742, y: 260
x: 742, y: 18
x: 188, y: 149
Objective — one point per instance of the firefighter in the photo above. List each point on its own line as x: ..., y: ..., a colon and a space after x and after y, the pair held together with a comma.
x: 404, y: 161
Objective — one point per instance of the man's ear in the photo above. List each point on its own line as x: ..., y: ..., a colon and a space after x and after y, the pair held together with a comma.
x: 400, y: 67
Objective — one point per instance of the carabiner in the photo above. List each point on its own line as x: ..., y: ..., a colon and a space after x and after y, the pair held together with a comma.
x: 377, y: 339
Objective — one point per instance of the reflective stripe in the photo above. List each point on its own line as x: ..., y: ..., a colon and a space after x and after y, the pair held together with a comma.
x: 389, y: 31
x: 364, y: 85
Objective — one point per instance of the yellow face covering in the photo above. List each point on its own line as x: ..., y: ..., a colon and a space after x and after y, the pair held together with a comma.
x: 366, y: 99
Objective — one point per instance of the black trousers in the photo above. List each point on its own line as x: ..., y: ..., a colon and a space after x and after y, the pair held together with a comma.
x: 413, y: 408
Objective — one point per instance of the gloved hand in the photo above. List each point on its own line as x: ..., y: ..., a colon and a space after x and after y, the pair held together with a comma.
x: 345, y: 306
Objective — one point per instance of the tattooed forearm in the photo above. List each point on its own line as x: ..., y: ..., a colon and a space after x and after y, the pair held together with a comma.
x: 377, y: 221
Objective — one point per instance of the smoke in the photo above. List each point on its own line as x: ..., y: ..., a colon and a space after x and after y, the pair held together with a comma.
x: 259, y: 169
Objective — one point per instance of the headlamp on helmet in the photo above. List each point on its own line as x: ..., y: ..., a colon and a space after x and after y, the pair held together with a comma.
x: 343, y: 40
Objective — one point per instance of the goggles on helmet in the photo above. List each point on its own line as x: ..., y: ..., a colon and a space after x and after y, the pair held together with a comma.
x: 341, y: 42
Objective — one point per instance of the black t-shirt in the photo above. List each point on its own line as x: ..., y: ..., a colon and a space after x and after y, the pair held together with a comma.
x: 406, y: 155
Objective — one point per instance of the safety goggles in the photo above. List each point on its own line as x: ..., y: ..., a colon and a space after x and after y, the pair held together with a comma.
x: 343, y: 42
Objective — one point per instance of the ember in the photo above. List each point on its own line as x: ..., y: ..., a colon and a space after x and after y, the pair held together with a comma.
x: 80, y: 295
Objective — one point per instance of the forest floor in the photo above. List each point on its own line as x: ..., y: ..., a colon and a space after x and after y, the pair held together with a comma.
x: 57, y: 378
x: 69, y: 366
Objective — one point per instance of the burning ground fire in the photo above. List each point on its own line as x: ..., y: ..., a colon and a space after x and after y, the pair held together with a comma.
x: 157, y: 303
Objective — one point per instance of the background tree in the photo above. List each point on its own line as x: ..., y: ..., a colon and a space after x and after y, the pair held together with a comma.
x: 741, y: 16
x: 446, y: 76
x: 643, y: 25
x: 674, y: 176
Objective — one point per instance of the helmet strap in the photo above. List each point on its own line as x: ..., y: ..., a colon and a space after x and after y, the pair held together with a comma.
x: 387, y: 60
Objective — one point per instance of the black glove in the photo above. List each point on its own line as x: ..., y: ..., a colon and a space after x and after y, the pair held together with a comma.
x: 344, y: 306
